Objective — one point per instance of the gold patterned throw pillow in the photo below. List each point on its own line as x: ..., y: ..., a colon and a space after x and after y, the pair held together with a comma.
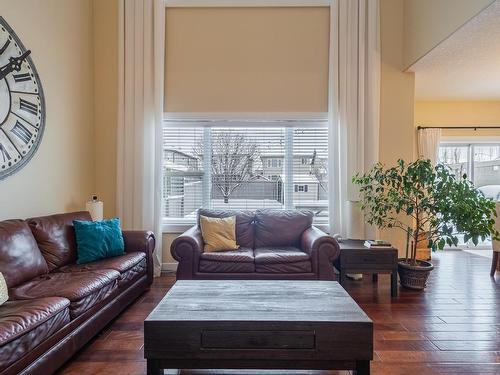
x: 4, y: 294
x: 218, y: 233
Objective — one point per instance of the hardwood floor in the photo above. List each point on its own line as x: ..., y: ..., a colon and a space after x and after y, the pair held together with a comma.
x: 451, y: 328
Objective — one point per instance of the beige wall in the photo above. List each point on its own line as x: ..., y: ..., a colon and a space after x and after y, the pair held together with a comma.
x: 273, y: 60
x: 397, y: 133
x: 167, y: 241
x: 105, y: 41
x: 60, y: 176
x: 429, y: 22
x: 457, y: 113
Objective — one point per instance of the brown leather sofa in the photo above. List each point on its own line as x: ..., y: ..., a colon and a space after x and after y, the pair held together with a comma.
x: 274, y: 244
x: 56, y: 306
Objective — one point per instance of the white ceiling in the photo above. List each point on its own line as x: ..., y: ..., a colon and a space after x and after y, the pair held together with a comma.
x: 465, y: 66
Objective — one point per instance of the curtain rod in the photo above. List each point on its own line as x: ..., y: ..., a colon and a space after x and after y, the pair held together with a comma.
x: 458, y: 127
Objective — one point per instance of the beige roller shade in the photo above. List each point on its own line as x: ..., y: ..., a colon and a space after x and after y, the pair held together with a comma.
x: 269, y: 59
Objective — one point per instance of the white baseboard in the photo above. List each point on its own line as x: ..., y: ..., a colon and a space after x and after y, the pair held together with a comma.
x: 169, y: 267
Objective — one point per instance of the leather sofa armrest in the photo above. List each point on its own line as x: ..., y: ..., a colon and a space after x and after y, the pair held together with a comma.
x: 139, y: 240
x: 144, y: 241
x: 322, y: 249
x: 186, y: 249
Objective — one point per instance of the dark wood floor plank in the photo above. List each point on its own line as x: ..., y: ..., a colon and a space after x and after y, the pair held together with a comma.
x: 405, y: 345
x: 453, y: 327
x: 468, y: 345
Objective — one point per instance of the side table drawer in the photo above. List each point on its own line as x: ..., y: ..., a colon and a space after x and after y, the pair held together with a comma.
x: 369, y: 258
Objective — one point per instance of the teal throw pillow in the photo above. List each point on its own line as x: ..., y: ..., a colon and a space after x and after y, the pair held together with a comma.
x: 98, y: 240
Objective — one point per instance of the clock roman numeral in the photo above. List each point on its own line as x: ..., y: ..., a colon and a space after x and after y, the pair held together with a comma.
x: 27, y: 106
x: 3, y: 152
x: 4, y: 47
x: 22, y: 77
x: 21, y: 132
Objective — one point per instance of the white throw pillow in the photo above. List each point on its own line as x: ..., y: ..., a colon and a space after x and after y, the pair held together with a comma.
x: 4, y: 294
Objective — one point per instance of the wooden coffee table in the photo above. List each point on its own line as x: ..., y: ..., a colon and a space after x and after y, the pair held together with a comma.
x: 243, y: 324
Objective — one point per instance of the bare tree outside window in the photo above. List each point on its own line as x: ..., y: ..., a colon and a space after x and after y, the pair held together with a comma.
x: 233, y: 157
x: 319, y: 170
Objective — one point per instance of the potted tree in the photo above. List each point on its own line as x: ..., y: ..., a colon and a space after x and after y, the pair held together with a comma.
x: 440, y: 207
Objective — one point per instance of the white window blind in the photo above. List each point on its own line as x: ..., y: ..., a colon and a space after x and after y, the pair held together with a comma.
x: 224, y: 167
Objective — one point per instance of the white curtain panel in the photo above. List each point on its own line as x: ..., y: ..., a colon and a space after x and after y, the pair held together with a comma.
x: 354, y: 101
x: 428, y: 144
x: 141, y: 64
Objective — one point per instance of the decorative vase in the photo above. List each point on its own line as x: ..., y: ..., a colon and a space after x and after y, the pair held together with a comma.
x: 414, y: 276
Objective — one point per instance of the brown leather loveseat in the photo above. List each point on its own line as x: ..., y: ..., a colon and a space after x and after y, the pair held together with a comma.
x: 55, y: 306
x: 274, y: 244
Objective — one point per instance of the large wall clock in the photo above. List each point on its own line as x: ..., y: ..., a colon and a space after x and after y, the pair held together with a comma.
x: 22, y: 105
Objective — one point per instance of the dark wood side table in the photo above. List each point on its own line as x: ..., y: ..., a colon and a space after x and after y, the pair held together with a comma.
x: 357, y: 258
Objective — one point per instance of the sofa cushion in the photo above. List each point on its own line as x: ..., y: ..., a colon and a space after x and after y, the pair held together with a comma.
x: 133, y: 273
x: 83, y: 289
x: 281, y: 260
x: 232, y: 261
x: 130, y: 265
x: 296, y: 267
x: 219, y: 233
x: 280, y: 227
x: 25, y: 324
x: 96, y: 240
x: 285, y: 254
x: 55, y: 235
x: 21, y: 259
x: 244, y: 223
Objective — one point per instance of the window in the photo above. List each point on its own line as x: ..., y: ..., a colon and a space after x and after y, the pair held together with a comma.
x: 243, y: 168
x: 299, y: 188
x: 479, y: 161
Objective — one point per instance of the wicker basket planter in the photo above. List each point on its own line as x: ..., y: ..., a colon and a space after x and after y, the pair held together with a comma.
x: 414, y: 277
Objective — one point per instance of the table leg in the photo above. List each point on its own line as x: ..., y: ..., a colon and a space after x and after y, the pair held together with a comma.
x: 362, y: 368
x: 394, y: 284
x: 494, y: 263
x: 375, y: 277
x: 342, y: 276
x: 153, y: 368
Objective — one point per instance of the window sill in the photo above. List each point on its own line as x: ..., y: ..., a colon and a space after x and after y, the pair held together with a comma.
x: 469, y: 247
x: 183, y: 225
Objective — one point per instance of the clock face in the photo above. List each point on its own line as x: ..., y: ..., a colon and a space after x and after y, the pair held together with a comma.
x: 22, y: 105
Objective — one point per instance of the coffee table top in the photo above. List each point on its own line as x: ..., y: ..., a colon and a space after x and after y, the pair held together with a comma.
x: 258, y: 300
